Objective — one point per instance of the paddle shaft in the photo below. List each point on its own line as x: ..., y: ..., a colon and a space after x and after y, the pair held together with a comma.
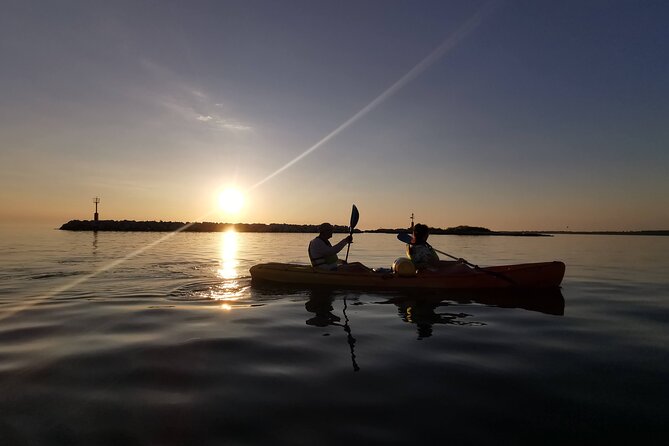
x: 453, y: 257
x: 476, y: 267
x: 348, y: 246
x: 406, y: 238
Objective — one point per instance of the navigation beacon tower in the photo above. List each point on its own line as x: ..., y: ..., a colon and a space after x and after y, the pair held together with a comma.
x: 96, y: 200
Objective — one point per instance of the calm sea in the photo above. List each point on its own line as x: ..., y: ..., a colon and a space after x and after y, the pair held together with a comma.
x: 148, y: 339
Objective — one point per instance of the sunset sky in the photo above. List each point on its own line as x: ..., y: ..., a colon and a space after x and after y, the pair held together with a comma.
x: 514, y: 115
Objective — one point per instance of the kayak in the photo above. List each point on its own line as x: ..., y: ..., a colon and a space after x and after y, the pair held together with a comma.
x: 520, y: 276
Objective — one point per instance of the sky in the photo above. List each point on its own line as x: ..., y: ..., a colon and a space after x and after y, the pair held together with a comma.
x: 513, y: 115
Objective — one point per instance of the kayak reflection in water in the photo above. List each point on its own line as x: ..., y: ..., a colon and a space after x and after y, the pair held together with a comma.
x: 324, y: 255
x: 425, y: 258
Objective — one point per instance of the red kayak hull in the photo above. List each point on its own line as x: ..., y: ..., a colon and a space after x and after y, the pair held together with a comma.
x: 527, y: 275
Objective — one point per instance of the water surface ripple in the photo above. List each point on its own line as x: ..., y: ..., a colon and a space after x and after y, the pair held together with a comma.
x: 176, y: 346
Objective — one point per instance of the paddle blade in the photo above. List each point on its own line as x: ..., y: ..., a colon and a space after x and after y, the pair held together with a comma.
x: 355, y: 216
x: 404, y: 237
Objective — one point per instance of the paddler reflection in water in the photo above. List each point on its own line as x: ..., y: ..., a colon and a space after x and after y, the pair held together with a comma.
x: 320, y: 304
x: 324, y: 255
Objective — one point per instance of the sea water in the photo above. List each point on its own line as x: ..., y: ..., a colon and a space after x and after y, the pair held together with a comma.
x: 117, y: 338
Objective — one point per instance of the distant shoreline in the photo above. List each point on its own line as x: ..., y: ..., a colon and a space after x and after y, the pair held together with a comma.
x: 652, y: 232
x: 171, y: 226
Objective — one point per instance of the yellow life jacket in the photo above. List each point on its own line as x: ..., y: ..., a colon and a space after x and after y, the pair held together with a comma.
x: 324, y: 260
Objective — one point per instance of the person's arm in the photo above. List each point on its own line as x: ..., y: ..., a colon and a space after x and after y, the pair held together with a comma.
x: 339, y: 246
x: 320, y: 249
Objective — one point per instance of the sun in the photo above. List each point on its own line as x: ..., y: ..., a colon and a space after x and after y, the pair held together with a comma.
x: 231, y: 201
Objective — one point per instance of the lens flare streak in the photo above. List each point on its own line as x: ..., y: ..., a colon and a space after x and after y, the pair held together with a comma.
x: 465, y: 29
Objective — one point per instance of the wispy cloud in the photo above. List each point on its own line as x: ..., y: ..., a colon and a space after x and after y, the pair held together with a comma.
x: 192, y: 103
x: 197, y: 113
x: 199, y: 94
x: 223, y: 123
x: 233, y: 125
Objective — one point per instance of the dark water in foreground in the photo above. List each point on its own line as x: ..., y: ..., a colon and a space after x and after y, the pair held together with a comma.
x: 174, y: 345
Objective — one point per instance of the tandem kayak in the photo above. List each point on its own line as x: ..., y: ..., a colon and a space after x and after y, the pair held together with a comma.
x: 520, y: 276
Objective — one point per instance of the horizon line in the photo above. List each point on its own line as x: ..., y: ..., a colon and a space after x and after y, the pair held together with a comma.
x: 547, y: 231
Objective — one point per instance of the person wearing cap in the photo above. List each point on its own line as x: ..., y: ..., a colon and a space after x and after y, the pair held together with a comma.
x: 425, y: 258
x: 420, y: 252
x: 322, y: 253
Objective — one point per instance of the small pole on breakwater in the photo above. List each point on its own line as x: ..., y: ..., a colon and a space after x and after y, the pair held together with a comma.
x: 96, y: 200
x: 411, y: 221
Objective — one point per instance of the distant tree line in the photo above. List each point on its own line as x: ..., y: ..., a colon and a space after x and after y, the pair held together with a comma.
x: 462, y: 230
x: 171, y: 226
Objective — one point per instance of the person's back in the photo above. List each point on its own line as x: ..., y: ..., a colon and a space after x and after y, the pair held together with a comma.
x: 420, y: 252
x: 423, y: 256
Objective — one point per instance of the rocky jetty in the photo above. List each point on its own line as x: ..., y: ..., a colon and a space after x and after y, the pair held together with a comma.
x: 171, y: 226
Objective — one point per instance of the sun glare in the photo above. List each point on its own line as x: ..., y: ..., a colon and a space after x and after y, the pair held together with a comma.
x: 231, y: 201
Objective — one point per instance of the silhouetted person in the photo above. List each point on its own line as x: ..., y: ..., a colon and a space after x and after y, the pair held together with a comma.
x: 421, y: 253
x: 425, y: 258
x: 323, y: 254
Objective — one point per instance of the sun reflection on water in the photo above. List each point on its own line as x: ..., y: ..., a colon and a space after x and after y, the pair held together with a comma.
x: 228, y: 252
x: 229, y: 290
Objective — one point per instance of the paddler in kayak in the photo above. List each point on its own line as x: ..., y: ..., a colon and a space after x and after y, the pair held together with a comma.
x: 425, y: 258
x: 420, y: 252
x: 323, y: 254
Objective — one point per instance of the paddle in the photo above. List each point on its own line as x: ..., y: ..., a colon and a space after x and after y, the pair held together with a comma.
x: 406, y: 238
x: 355, y: 216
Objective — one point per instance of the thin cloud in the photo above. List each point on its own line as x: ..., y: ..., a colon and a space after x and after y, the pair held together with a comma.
x: 223, y: 123
x: 189, y: 113
x: 191, y: 103
x: 233, y: 125
x: 199, y: 94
